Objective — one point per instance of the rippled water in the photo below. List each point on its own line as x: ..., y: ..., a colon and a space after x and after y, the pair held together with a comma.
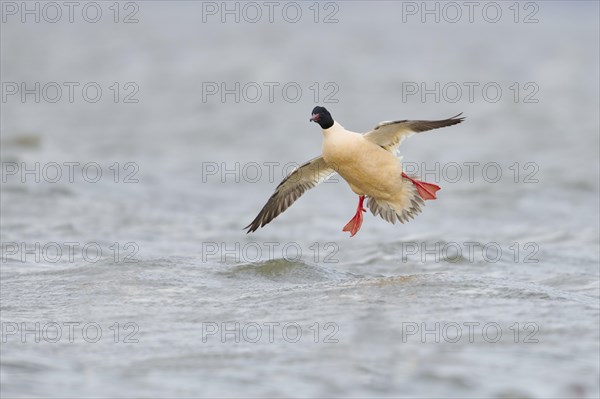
x: 493, y: 291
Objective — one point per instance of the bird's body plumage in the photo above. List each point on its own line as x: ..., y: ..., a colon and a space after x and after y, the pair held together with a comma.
x: 368, y: 163
x: 368, y: 168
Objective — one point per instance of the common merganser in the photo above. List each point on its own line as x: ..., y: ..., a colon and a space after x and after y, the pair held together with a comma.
x: 368, y: 163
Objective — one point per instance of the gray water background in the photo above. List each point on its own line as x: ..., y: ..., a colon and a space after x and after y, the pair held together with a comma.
x: 196, y: 269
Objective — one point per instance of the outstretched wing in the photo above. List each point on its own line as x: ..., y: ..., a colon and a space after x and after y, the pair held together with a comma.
x: 307, y: 176
x: 389, y: 135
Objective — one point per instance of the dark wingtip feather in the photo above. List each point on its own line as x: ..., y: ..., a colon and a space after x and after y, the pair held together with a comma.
x: 422, y: 126
x: 251, y: 227
x: 456, y: 118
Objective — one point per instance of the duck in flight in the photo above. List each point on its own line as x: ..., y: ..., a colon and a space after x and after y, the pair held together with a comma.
x: 368, y: 163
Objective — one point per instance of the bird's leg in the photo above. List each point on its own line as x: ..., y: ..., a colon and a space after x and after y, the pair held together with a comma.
x: 426, y: 190
x: 354, y: 224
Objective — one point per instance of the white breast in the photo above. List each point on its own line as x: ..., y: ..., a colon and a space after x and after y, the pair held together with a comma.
x: 368, y: 169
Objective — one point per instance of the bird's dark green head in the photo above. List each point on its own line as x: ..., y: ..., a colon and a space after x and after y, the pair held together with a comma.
x: 322, y: 117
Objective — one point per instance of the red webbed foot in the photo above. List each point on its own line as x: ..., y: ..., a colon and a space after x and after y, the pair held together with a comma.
x: 354, y: 224
x: 426, y: 190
